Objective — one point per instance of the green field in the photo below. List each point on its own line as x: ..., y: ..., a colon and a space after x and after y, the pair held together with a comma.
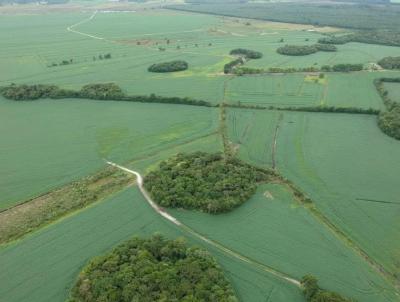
x: 43, y: 266
x: 55, y: 142
x: 393, y: 90
x: 337, y: 89
x: 350, y: 170
x: 252, y: 132
x: 273, y: 229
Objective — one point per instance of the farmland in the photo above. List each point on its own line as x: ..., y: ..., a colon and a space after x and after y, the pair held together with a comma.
x: 331, y: 208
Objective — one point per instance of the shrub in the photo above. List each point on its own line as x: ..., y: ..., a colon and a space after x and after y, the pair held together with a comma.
x: 153, y: 270
x: 172, y: 66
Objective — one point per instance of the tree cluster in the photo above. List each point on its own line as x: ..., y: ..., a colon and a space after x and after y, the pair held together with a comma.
x: 313, y: 293
x: 304, y: 50
x: 105, y: 91
x: 231, y: 66
x: 247, y: 53
x: 153, y: 270
x: 177, y: 65
x: 343, y: 68
x: 207, y: 182
x: 390, y: 63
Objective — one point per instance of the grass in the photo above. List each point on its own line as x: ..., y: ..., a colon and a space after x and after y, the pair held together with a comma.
x: 55, y: 142
x: 393, y: 90
x: 252, y: 133
x: 43, y: 266
x: 336, y: 159
x: 257, y: 229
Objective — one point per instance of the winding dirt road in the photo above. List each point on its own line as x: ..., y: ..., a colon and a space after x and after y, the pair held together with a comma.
x: 215, y: 244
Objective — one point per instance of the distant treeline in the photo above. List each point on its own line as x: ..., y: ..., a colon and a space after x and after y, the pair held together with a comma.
x: 106, y: 56
x: 105, y: 91
x: 33, y: 1
x: 244, y: 70
x: 388, y: 121
x: 390, y: 63
x: 177, y: 65
x: 304, y: 50
x: 244, y: 54
x: 389, y: 38
x: 313, y: 293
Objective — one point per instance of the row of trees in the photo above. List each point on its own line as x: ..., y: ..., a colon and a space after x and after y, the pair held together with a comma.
x: 390, y: 63
x: 332, y: 109
x: 390, y: 38
x: 388, y: 121
x: 106, y: 56
x: 105, y: 91
x: 304, y: 50
x: 313, y: 293
x: 177, y: 65
x: 243, y: 70
x: 207, y: 182
x: 153, y: 270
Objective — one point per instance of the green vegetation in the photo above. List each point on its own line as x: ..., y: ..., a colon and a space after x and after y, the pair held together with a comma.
x: 313, y: 293
x: 390, y: 63
x: 247, y: 53
x: 172, y: 66
x: 106, y: 91
x: 342, y: 67
x: 49, y: 207
x: 358, y: 16
x: 231, y: 66
x: 79, y: 134
x: 206, y: 182
x: 332, y: 109
x: 390, y: 38
x: 304, y: 50
x: 151, y: 270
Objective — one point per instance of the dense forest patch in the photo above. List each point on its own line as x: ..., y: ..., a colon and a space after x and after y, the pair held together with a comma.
x: 247, y: 53
x: 304, y: 50
x: 103, y: 91
x: 206, y: 182
x: 177, y: 65
x: 151, y: 270
x: 388, y: 38
x: 390, y: 63
x: 313, y: 293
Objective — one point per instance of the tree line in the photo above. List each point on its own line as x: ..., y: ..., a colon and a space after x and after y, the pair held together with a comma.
x: 390, y: 63
x: 313, y: 293
x: 388, y: 121
x: 153, y: 270
x: 304, y: 50
x: 177, y: 65
x: 211, y: 183
x: 389, y: 38
x: 104, y: 91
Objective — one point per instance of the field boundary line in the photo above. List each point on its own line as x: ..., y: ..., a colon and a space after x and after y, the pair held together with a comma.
x: 275, y: 141
x: 71, y: 28
x: 217, y: 245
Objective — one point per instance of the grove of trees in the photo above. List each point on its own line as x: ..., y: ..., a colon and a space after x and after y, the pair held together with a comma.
x: 390, y: 63
x: 390, y: 38
x: 153, y: 270
x: 211, y: 183
x: 304, y: 50
x: 177, y: 65
x: 247, y: 53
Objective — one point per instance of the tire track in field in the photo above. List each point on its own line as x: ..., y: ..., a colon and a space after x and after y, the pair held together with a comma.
x: 211, y: 242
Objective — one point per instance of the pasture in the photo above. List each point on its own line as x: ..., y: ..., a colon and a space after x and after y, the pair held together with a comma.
x: 36, y: 157
x: 393, y: 91
x: 43, y: 266
x: 349, y: 168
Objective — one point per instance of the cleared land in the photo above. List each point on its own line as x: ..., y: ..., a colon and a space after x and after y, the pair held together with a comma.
x: 43, y: 266
x: 55, y: 142
x: 335, y: 158
x: 272, y: 228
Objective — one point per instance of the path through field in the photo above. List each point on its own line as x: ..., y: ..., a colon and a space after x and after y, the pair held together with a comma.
x: 219, y: 246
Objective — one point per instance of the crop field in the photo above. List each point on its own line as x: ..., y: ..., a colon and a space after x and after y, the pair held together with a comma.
x: 43, y: 266
x: 336, y: 159
x: 252, y: 132
x: 36, y: 158
x: 393, y: 90
x: 341, y: 90
x: 273, y: 229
